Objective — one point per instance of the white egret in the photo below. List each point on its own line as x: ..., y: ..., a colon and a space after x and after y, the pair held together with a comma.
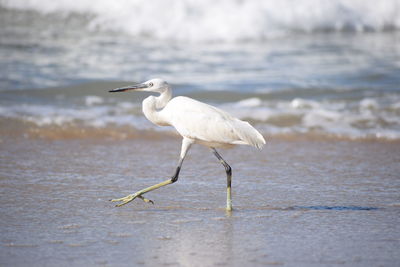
x: 196, y: 122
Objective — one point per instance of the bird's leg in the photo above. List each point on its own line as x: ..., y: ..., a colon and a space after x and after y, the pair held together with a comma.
x: 138, y: 194
x: 186, y: 143
x: 228, y: 170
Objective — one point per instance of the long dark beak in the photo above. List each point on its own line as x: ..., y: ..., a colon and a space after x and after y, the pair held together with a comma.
x: 130, y: 87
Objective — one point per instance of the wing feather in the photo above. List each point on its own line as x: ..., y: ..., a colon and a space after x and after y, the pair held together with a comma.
x: 200, y: 121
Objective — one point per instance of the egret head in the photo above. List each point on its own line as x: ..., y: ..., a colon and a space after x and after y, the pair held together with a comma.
x: 153, y: 85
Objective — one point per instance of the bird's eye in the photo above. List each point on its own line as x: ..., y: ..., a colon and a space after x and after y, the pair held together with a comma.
x: 150, y: 84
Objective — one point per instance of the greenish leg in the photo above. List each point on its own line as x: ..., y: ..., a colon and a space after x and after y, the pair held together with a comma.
x: 228, y: 199
x: 129, y: 198
x: 228, y: 170
x: 186, y: 143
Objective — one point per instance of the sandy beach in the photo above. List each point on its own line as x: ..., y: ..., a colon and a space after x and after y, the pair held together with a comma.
x: 296, y: 203
x: 320, y: 80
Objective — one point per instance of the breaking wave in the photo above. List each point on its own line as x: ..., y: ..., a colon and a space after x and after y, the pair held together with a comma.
x: 368, y: 118
x: 224, y: 20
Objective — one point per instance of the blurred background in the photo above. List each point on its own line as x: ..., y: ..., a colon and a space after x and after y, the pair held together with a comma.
x: 328, y: 68
x: 320, y: 79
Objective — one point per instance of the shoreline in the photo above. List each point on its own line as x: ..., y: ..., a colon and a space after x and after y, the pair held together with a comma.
x: 89, y: 111
x: 121, y: 133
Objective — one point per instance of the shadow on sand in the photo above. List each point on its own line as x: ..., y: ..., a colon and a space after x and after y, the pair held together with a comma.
x: 332, y: 208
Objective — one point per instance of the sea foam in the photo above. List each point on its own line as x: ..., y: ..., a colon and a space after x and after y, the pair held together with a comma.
x: 224, y: 20
x: 365, y: 118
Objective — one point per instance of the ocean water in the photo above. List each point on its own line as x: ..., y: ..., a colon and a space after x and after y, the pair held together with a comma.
x: 333, y: 72
x: 319, y: 79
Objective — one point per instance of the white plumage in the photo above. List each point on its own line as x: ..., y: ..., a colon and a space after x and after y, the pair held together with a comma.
x: 209, y: 125
x: 196, y: 122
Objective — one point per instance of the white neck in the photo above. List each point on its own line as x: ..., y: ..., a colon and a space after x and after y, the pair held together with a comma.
x: 153, y: 105
x: 164, y: 97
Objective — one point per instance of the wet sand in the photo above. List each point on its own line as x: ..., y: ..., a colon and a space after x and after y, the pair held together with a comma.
x: 296, y: 203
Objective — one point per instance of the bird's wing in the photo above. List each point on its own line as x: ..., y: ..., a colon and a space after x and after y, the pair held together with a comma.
x: 197, y: 120
x: 248, y: 133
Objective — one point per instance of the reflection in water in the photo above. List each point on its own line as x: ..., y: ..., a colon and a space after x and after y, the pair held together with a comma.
x: 208, y: 241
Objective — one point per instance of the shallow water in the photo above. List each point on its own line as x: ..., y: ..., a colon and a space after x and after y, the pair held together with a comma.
x: 296, y: 203
x: 324, y: 93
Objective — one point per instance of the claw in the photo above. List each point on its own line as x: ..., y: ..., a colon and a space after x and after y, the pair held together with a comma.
x: 146, y: 200
x: 132, y: 196
x: 129, y: 198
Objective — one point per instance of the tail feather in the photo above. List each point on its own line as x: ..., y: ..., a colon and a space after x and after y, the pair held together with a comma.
x: 249, y: 134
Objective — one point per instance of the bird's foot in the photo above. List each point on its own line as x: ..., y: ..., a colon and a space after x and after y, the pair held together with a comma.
x: 129, y: 198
